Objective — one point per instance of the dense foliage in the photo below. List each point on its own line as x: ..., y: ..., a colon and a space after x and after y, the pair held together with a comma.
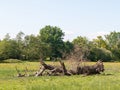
x: 53, y: 37
x: 49, y: 44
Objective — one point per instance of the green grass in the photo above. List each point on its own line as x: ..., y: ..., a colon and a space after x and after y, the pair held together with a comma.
x: 8, y: 80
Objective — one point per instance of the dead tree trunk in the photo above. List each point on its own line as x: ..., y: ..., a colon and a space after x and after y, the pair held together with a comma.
x: 41, y: 70
x: 49, y: 67
x: 53, y: 70
x: 65, y: 72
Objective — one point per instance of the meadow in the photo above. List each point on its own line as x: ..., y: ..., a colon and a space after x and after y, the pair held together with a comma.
x: 109, y: 80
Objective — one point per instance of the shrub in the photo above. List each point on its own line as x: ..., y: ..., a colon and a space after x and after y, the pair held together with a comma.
x: 100, y: 53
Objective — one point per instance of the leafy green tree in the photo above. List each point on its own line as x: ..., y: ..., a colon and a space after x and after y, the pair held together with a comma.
x: 9, y: 49
x: 99, y: 50
x: 81, y: 41
x: 82, y: 44
x: 7, y: 37
x: 19, y: 40
x: 100, y: 42
x: 32, y: 47
x: 53, y: 37
x: 113, y: 42
x: 100, y: 53
x: 67, y: 49
x: 19, y: 37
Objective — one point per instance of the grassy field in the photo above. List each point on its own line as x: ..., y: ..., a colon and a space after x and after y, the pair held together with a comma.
x: 109, y: 80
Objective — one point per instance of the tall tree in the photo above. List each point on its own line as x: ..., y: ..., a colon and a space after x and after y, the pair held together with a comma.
x: 53, y: 37
x: 67, y: 49
x: 7, y: 37
x: 19, y: 40
x: 19, y: 36
x: 113, y: 42
x: 31, y: 49
x: 9, y: 49
x: 81, y: 46
x: 100, y: 42
x: 113, y: 39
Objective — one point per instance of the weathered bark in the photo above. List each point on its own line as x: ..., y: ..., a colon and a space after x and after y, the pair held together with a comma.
x: 65, y: 72
x: 47, y: 69
x: 46, y: 66
x: 53, y: 70
x: 41, y: 70
x: 93, y: 69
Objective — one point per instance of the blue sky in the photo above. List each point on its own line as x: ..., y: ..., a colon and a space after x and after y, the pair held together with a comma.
x: 75, y: 17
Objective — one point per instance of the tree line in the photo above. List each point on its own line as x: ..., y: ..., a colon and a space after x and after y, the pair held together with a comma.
x: 49, y: 45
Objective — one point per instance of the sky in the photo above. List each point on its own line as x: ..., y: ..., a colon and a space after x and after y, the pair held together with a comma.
x: 88, y: 18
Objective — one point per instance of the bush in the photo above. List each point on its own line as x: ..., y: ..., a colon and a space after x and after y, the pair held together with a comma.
x: 100, y: 53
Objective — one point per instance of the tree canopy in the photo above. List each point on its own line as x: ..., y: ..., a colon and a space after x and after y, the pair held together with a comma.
x: 50, y: 44
x: 53, y: 36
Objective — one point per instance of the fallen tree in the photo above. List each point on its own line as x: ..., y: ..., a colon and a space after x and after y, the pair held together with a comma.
x: 61, y: 70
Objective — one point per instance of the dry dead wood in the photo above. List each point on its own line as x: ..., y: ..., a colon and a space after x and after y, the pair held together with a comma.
x: 51, y: 70
x: 65, y: 72
x: 93, y: 69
